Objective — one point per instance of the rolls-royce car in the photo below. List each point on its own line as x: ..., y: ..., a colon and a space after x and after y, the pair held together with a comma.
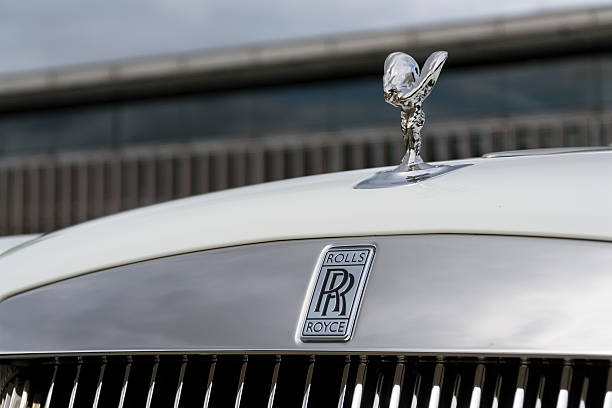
x: 486, y: 286
x: 482, y: 282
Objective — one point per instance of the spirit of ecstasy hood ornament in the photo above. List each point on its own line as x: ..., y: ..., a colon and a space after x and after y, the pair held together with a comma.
x: 406, y: 87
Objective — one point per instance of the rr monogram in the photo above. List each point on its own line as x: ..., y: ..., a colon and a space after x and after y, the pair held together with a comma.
x: 336, y: 290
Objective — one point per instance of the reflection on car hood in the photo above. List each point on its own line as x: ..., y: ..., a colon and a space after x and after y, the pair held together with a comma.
x: 14, y: 241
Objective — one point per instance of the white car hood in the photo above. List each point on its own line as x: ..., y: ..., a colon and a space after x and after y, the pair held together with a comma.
x: 12, y: 241
x: 565, y: 195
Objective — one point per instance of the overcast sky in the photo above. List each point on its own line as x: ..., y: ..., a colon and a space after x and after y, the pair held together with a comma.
x: 37, y: 34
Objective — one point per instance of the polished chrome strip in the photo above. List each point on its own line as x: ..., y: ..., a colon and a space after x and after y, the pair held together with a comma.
x: 126, y: 377
x: 125, y: 332
x: 438, y: 379
x: 584, y: 393
x: 498, y: 385
x: 521, y: 385
x: 415, y: 391
x: 245, y: 362
x: 398, y: 380
x: 50, y: 392
x: 343, y: 383
x: 479, y: 377
x: 274, y: 381
x: 75, y: 385
x: 152, y: 382
x: 179, y: 387
x: 545, y: 151
x: 209, y: 382
x: 359, y: 382
x: 99, y: 386
x: 456, y: 388
x: 308, y: 382
x: 540, y: 394
x: 24, y: 394
x: 566, y: 380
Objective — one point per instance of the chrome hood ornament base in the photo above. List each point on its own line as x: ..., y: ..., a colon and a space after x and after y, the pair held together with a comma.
x: 406, y: 87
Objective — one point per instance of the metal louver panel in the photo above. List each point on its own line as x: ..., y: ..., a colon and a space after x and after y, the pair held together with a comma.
x: 304, y: 380
x: 46, y: 192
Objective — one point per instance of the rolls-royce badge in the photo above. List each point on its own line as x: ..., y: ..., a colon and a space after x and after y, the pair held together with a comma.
x: 335, y: 295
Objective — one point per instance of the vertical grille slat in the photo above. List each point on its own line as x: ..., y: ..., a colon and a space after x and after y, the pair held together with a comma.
x: 99, y: 384
x: 479, y: 378
x: 308, y: 384
x: 51, y: 386
x: 540, y: 394
x: 436, y: 388
x: 584, y: 392
x: 5, y: 400
x: 456, y: 388
x: 124, y: 386
x: 24, y: 394
x: 415, y: 392
x: 521, y: 385
x: 378, y: 391
x: 344, y: 381
x: 152, y: 382
x: 209, y: 381
x: 497, y: 392
x: 564, y: 387
x: 275, y: 380
x: 179, y: 386
x: 359, y: 382
x: 243, y: 368
x: 398, y: 380
x: 75, y: 385
x: 13, y: 395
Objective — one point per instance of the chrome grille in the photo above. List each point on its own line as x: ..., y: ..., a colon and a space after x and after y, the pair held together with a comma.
x: 304, y: 381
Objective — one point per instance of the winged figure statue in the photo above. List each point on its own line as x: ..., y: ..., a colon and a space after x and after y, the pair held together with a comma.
x: 406, y: 87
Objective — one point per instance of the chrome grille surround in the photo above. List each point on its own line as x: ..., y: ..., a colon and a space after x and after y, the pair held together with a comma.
x: 426, y: 294
x: 324, y: 380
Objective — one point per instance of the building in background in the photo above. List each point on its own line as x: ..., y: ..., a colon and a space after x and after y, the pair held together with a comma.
x: 82, y: 142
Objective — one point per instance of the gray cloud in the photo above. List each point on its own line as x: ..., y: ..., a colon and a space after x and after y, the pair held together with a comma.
x: 40, y: 34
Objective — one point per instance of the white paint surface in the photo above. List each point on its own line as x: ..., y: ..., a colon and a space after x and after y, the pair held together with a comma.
x: 564, y: 195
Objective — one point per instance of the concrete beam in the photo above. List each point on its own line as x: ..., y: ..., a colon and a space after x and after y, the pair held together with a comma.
x: 578, y: 31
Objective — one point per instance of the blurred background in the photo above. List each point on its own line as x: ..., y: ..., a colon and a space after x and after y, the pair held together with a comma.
x: 117, y: 105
